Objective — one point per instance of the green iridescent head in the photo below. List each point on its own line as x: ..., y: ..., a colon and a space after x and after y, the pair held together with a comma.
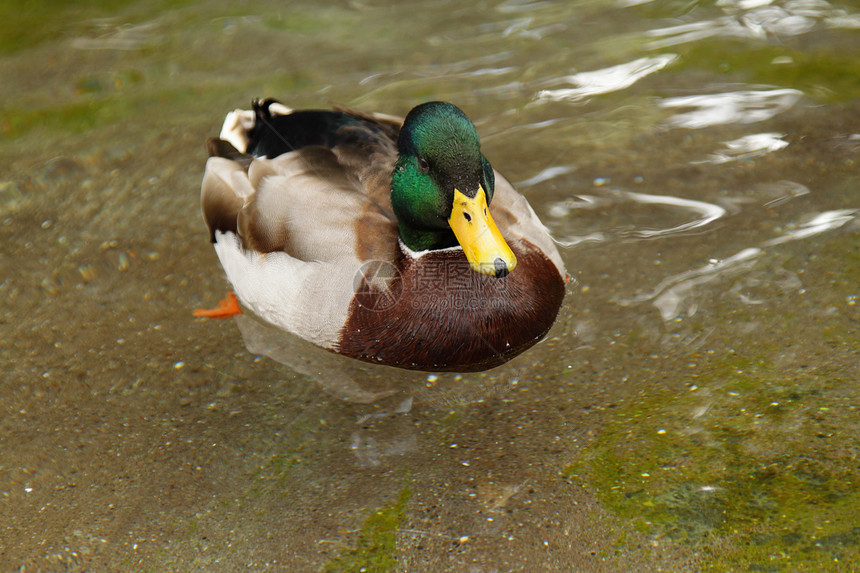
x: 441, y: 188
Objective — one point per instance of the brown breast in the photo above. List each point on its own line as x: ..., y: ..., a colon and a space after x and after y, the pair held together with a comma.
x: 437, y: 314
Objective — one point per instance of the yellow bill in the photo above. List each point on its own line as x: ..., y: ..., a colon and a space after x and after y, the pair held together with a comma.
x: 483, y: 244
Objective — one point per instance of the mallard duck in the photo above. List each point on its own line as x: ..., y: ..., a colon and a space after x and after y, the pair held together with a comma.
x: 390, y: 241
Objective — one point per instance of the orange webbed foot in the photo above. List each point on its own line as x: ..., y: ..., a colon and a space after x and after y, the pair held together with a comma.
x: 225, y: 309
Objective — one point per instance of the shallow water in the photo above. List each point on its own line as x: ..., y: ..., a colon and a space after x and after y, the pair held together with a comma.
x: 694, y: 407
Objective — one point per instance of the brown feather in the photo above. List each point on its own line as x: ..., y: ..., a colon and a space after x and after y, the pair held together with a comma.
x: 218, y: 199
x: 437, y: 314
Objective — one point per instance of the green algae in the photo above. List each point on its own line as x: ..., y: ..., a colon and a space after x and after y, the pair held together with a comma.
x: 375, y: 549
x: 750, y: 455
x: 755, y: 464
x: 97, y: 109
x: 71, y: 118
x: 310, y: 21
x: 29, y: 23
x: 825, y: 75
x: 276, y: 470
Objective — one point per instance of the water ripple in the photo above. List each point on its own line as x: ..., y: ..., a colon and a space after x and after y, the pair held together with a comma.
x: 668, y: 296
x: 782, y: 191
x: 615, y: 78
x: 111, y: 36
x: 757, y: 19
x: 703, y: 213
x: 545, y: 175
x: 708, y: 212
x: 518, y: 6
x: 672, y: 296
x: 823, y: 222
x: 747, y: 106
x: 747, y: 147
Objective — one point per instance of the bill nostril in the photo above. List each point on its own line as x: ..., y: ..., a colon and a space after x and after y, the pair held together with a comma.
x: 501, y: 268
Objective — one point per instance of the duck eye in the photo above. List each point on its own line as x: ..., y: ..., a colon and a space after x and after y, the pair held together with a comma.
x: 467, y: 216
x: 422, y: 164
